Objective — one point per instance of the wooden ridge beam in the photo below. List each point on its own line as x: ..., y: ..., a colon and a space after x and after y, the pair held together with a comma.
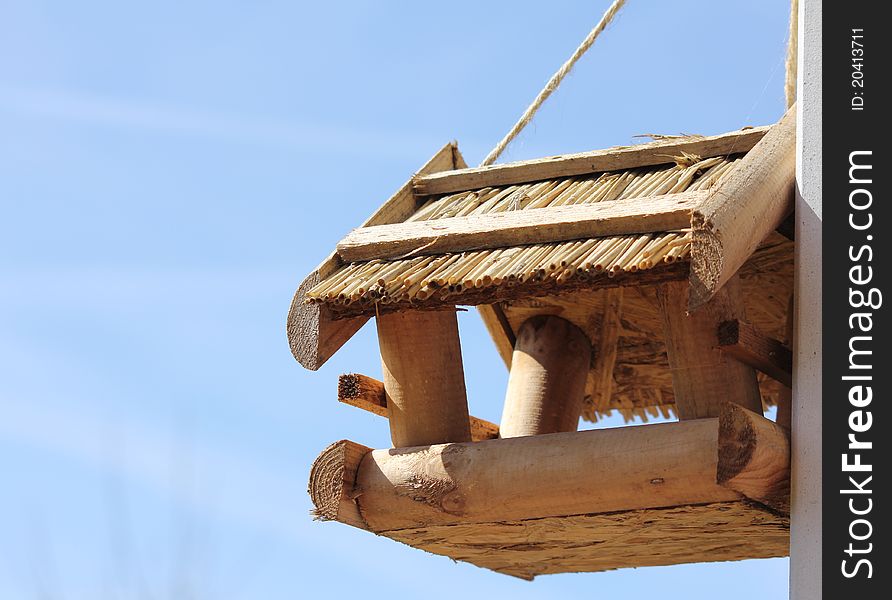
x: 368, y: 394
x: 562, y: 474
x: 314, y: 335
x: 742, y: 209
x: 610, y: 159
x: 742, y: 341
x: 516, y: 228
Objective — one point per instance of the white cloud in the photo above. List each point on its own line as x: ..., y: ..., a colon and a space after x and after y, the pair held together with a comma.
x: 206, y: 122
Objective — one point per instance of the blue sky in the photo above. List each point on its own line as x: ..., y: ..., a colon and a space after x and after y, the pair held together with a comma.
x: 169, y: 171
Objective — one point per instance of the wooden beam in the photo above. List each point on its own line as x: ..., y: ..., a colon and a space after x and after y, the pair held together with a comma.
x: 516, y: 228
x: 546, y: 385
x: 612, y: 159
x: 314, y: 335
x: 423, y: 378
x: 743, y: 208
x: 561, y: 474
x: 702, y: 376
x: 368, y: 394
x: 754, y: 457
x: 741, y: 340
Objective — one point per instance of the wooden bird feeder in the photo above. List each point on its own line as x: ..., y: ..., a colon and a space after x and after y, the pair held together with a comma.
x: 651, y: 279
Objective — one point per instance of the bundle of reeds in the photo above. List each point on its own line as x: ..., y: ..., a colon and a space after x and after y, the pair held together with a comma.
x: 445, y: 277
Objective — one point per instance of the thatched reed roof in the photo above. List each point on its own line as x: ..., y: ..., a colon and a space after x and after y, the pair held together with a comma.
x: 587, y: 280
x: 484, y: 276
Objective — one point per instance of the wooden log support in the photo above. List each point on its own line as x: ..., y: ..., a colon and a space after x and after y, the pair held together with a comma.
x: 741, y: 340
x: 423, y: 378
x: 546, y: 384
x: 742, y: 209
x: 313, y: 334
x: 702, y: 375
x: 754, y: 457
x: 578, y: 473
x: 516, y: 228
x: 368, y: 394
x: 611, y: 159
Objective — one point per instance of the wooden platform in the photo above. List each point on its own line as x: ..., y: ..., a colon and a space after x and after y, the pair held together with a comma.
x: 694, y: 491
x: 586, y: 543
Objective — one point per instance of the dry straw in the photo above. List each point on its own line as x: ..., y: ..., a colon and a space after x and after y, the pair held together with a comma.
x: 445, y: 278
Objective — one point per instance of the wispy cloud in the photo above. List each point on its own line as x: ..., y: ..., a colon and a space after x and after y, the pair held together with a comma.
x: 145, y: 457
x: 85, y: 108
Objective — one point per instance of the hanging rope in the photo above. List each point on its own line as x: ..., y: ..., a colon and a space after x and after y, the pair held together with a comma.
x: 792, y: 54
x: 554, y: 82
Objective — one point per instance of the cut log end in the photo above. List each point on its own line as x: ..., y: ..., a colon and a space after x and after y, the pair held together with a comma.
x: 754, y: 457
x: 729, y: 332
x: 707, y: 266
x: 332, y: 481
x: 303, y: 326
x: 313, y: 333
x: 737, y: 443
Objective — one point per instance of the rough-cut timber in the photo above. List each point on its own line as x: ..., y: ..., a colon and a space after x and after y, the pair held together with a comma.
x: 521, y: 227
x: 368, y: 394
x: 741, y: 340
x: 332, y: 478
x: 588, y: 543
x: 313, y: 334
x: 423, y: 377
x: 754, y: 457
x: 742, y: 210
x: 546, y: 385
x: 702, y: 375
x: 611, y: 159
x: 558, y: 474
x: 582, y: 501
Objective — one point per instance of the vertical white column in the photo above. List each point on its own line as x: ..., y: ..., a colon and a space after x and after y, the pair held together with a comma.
x: 805, y: 542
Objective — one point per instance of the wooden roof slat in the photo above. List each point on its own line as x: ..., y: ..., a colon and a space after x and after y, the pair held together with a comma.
x: 522, y: 227
x: 610, y: 159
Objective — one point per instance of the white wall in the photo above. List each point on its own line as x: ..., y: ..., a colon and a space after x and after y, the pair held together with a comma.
x: 805, y: 548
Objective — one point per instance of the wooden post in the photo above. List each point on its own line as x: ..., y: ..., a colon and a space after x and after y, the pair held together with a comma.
x: 546, y: 386
x: 423, y: 378
x: 702, y: 376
